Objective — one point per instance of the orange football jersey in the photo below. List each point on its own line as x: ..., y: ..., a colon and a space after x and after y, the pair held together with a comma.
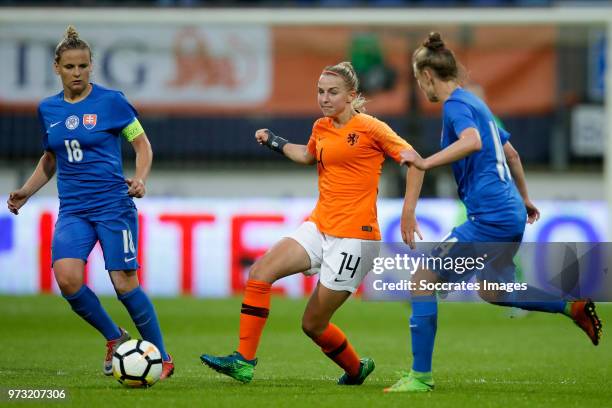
x: 349, y: 162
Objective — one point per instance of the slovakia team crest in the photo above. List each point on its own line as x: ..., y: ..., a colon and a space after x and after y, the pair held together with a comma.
x: 90, y: 120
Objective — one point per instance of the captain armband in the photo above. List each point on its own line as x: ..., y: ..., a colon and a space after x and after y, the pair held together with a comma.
x: 275, y: 143
x: 132, y: 131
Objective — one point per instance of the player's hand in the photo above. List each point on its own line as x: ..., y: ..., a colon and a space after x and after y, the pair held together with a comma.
x: 16, y: 200
x: 410, y: 157
x: 136, y: 187
x: 409, y: 227
x: 262, y: 136
x: 533, y: 214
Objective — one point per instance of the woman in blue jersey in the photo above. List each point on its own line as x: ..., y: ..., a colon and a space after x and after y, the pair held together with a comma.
x: 82, y: 127
x: 491, y: 184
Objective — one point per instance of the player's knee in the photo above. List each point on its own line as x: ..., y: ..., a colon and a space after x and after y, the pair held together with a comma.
x: 256, y: 272
x: 69, y: 284
x: 125, y: 286
x: 260, y: 272
x: 122, y: 288
x: 124, y: 282
x: 312, y: 327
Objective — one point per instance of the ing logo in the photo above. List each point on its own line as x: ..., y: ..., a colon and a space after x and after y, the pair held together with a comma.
x: 198, y: 64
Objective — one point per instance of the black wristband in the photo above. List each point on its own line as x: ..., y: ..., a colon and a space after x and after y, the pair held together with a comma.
x: 275, y: 143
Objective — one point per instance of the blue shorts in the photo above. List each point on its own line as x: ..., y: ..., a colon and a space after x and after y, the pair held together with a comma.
x: 493, y: 250
x: 117, y: 230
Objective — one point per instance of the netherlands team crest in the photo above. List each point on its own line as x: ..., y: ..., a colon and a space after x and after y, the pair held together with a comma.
x: 352, y: 138
x: 90, y: 120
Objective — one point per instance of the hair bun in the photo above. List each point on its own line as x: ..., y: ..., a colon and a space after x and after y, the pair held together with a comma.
x: 71, y: 33
x: 346, y: 65
x: 434, y: 42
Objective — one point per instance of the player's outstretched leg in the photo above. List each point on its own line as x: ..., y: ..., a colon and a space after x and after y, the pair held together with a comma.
x: 253, y: 316
x: 531, y: 299
x: 583, y: 313
x: 285, y: 258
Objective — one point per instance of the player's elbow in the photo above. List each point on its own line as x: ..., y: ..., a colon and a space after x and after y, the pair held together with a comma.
x: 48, y: 164
x: 471, y: 140
x: 48, y: 158
x: 308, y: 158
x: 512, y: 155
x: 148, y: 150
x: 475, y: 143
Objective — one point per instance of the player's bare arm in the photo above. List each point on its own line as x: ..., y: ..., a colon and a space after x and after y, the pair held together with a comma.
x: 468, y: 142
x: 409, y: 225
x: 518, y: 174
x: 42, y: 174
x: 144, y: 158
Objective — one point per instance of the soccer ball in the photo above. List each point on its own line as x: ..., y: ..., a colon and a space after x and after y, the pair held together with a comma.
x: 137, y: 363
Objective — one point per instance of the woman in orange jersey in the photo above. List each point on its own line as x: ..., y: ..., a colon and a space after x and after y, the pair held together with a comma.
x: 348, y: 147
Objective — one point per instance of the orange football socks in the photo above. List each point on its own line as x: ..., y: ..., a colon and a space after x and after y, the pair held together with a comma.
x: 335, y: 345
x: 253, y: 316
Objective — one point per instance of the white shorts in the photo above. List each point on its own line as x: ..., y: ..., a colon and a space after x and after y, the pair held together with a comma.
x: 340, y: 261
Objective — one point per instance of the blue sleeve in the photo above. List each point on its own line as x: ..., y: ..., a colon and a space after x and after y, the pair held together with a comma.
x: 504, y: 135
x: 43, y: 128
x: 123, y: 112
x: 459, y: 116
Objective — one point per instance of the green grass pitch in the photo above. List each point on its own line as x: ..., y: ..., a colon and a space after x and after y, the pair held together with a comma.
x: 483, y: 358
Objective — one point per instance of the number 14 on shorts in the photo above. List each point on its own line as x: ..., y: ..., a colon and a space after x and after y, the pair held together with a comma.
x: 347, y: 264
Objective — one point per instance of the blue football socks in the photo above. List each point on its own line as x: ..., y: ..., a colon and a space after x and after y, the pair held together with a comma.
x: 423, y: 325
x: 141, y: 310
x: 87, y: 305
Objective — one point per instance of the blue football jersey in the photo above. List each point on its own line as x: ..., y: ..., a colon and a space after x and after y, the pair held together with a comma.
x: 86, y: 139
x: 483, y: 178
